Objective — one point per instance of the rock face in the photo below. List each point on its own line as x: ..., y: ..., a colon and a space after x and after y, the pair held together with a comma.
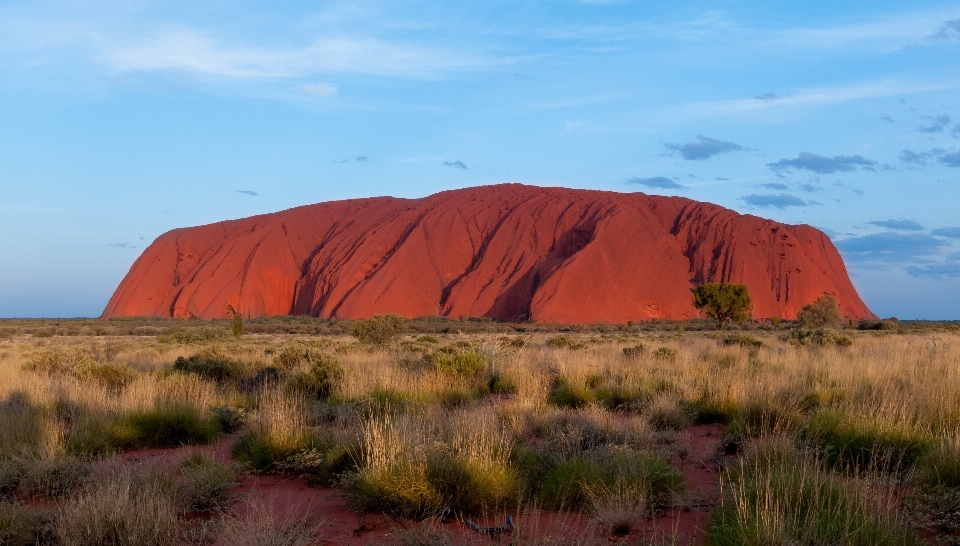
x: 508, y: 251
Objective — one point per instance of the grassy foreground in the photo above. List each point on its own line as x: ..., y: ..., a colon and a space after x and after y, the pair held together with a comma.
x: 831, y: 437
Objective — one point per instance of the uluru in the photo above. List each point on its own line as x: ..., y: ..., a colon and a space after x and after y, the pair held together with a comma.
x: 509, y: 251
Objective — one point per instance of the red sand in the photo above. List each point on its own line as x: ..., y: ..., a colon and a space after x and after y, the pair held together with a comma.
x: 508, y: 251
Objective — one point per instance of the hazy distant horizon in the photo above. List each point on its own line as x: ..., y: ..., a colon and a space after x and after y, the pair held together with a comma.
x: 119, y: 122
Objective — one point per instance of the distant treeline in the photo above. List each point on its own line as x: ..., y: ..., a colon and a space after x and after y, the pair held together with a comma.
x: 187, y: 330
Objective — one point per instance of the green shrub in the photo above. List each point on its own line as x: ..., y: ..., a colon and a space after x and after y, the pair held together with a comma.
x: 128, y: 507
x: 206, y: 483
x: 293, y: 355
x: 569, y: 483
x: 877, y: 325
x: 210, y: 363
x: 229, y: 419
x: 90, y: 436
x: 817, y: 336
x: 853, y: 445
x: 111, y: 376
x: 468, y: 487
x: 459, y: 363
x: 570, y: 395
x: 427, y: 339
x: 378, y: 329
x: 53, y: 477
x: 776, y: 496
x: 59, y: 360
x: 322, y: 465
x: 634, y: 352
x: 743, y: 340
x: 666, y: 353
x: 501, y: 384
x: 403, y: 490
x: 43, y: 332
x: 320, y: 380
x: 565, y: 342
x: 264, y: 452
x: 823, y: 313
x: 167, y: 425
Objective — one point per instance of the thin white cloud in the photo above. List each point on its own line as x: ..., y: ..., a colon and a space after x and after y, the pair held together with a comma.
x: 817, y: 96
x: 192, y: 51
x: 319, y: 89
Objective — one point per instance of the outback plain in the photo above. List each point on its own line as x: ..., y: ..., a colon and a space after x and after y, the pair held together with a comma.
x: 298, y: 431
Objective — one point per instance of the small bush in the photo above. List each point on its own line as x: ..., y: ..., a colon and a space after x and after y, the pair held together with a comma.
x: 53, y: 477
x: 666, y: 353
x: 571, y: 395
x: 817, y: 337
x: 211, y: 363
x: 823, y: 313
x: 565, y: 342
x: 776, y: 496
x: 852, y: 445
x: 877, y: 325
x: 111, y: 376
x: 264, y: 451
x: 666, y: 413
x: 22, y: 527
x: 321, y: 466
x: 259, y: 526
x: 129, y: 507
x: 320, y: 380
x: 167, y: 425
x: 229, y: 419
x: 502, y: 384
x: 571, y: 484
x: 634, y: 352
x: 378, y: 329
x: 206, y: 483
x: 743, y: 340
x: 428, y: 339
x: 59, y: 361
x: 458, y: 363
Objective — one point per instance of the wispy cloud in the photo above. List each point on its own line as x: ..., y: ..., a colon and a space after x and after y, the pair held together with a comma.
x: 950, y: 160
x: 901, y: 225
x: 122, y: 245
x: 937, y: 124
x: 775, y: 186
x: 780, y: 201
x: 949, y: 30
x: 950, y: 267
x: 821, y: 164
x: 319, y: 89
x: 657, y: 182
x: 891, y: 247
x: 248, y: 192
x: 193, y: 51
x: 952, y: 232
x: 888, y: 119
x: 356, y: 158
x: 456, y: 164
x: 704, y: 148
x: 817, y: 96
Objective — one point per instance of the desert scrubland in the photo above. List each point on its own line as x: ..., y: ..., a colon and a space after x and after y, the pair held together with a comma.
x: 144, y: 433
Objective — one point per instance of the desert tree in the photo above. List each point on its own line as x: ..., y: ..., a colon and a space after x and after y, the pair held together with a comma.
x: 825, y: 312
x: 725, y: 302
x: 237, y: 325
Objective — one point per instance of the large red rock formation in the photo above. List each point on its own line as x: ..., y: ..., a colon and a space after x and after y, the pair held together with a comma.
x: 508, y: 251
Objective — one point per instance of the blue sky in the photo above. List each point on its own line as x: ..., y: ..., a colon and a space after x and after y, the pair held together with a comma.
x: 122, y: 120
